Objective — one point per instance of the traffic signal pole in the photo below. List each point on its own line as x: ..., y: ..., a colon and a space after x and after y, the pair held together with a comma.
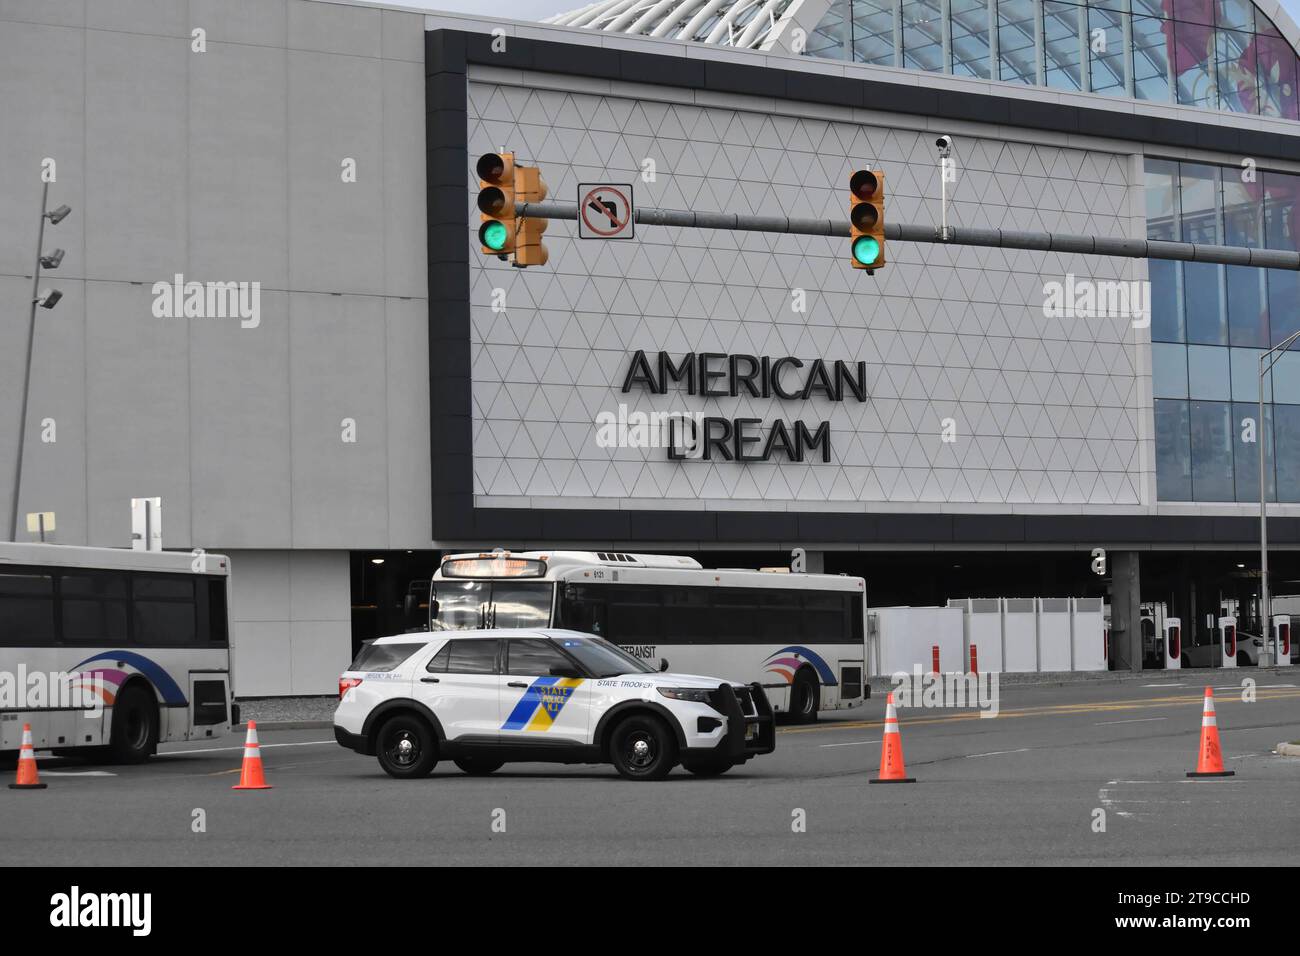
x: 957, y: 236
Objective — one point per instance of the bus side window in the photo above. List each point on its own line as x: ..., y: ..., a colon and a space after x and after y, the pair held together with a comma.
x: 635, y: 614
x: 26, y: 608
x: 779, y: 617
x: 688, y: 614
x: 824, y: 615
x: 95, y: 607
x: 735, y: 614
x: 218, y: 621
x: 582, y: 608
x: 165, y: 610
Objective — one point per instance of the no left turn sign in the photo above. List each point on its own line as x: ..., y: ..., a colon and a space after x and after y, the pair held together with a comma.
x: 605, y: 211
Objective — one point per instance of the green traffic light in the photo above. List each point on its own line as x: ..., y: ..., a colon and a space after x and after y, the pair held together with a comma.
x: 866, y: 249
x: 494, y: 235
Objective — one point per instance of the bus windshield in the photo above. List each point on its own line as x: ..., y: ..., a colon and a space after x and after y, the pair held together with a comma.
x: 471, y: 604
x: 603, y: 658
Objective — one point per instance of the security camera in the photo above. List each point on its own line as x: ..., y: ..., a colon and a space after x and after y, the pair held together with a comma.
x: 49, y: 298
x: 56, y: 216
x: 945, y: 144
x: 52, y: 260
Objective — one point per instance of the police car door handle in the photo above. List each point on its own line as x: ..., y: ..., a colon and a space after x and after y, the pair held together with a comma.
x: 517, y: 683
x: 428, y: 680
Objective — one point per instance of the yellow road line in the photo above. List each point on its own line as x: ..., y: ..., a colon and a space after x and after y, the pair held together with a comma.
x: 1053, y: 710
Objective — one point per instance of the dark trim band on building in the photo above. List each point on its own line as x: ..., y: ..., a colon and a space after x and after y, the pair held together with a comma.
x: 447, y: 55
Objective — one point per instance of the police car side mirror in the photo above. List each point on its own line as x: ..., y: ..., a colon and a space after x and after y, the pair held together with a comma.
x: 663, y: 664
x: 564, y: 670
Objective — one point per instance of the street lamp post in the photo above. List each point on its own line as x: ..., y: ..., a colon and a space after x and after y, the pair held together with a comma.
x: 47, y: 301
x: 1266, y: 364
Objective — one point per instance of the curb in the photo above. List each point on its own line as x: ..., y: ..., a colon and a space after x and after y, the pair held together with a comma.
x: 1288, y: 750
x: 287, y: 725
x: 1070, y: 678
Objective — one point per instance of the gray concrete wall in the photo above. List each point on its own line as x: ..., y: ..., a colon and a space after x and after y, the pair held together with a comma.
x: 223, y: 165
x: 290, y: 620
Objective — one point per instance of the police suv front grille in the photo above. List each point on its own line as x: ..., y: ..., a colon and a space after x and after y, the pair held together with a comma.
x: 746, y: 699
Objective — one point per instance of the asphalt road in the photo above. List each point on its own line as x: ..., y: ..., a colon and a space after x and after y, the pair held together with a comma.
x: 1023, y: 788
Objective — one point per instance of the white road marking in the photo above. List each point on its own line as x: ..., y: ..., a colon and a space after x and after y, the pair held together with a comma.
x: 218, y: 750
x: 851, y: 743
x: 77, y: 773
x: 1135, y: 720
x: 1164, y: 685
x: 998, y: 753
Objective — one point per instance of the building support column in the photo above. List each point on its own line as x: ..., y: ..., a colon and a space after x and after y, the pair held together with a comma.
x: 1126, y: 611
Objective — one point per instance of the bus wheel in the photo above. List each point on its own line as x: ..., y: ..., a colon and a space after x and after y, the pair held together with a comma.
x: 407, y: 748
x: 134, y: 737
x: 804, y: 698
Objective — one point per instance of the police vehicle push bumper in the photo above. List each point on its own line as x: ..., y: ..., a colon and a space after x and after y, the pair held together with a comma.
x: 751, y: 727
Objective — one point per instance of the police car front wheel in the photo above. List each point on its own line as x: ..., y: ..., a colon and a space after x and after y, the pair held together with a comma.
x: 479, y: 766
x: 642, y: 748
x: 407, y: 748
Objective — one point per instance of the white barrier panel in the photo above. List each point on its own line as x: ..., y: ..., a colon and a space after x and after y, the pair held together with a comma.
x: 1053, y: 634
x: 1173, y: 643
x: 984, y: 634
x: 1087, y: 635
x: 1227, y: 642
x: 907, y: 636
x: 1019, y: 635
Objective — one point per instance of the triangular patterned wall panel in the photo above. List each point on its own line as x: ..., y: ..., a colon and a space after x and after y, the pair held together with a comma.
x: 1045, y: 411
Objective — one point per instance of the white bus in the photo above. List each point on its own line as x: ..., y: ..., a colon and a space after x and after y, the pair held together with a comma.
x: 144, y: 636
x: 799, y: 635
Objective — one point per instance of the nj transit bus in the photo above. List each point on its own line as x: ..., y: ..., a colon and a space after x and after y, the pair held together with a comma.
x: 110, y: 652
x: 799, y: 635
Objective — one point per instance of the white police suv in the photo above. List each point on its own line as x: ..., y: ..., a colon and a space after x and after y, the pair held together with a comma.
x: 486, y: 698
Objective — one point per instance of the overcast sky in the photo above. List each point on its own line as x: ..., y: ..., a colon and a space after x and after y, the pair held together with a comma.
x: 537, y: 9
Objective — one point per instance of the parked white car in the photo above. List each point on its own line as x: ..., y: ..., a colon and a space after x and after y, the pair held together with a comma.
x: 491, y: 697
x: 1207, y: 655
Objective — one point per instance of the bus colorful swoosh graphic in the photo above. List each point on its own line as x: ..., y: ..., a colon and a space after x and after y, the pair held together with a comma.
x: 114, y: 677
x: 787, y: 660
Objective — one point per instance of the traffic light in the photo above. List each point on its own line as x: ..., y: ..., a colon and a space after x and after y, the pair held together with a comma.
x: 529, y: 187
x: 496, y: 201
x: 867, y: 219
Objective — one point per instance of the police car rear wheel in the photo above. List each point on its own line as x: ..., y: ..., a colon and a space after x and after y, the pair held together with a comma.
x: 479, y: 766
x: 642, y: 748
x: 407, y: 748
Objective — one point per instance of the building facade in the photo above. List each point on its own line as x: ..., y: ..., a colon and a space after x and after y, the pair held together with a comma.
x: 400, y: 394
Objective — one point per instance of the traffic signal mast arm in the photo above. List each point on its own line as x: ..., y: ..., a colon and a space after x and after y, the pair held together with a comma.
x: 957, y: 236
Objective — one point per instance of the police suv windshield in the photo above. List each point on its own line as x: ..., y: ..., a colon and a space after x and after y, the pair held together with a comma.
x: 602, y: 658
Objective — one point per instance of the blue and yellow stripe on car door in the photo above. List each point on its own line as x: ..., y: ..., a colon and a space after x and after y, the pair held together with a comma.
x: 541, y: 703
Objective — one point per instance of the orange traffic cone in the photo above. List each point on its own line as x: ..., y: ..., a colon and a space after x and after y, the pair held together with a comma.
x: 250, y: 774
x: 27, y: 779
x: 1209, y: 763
x: 891, y: 749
